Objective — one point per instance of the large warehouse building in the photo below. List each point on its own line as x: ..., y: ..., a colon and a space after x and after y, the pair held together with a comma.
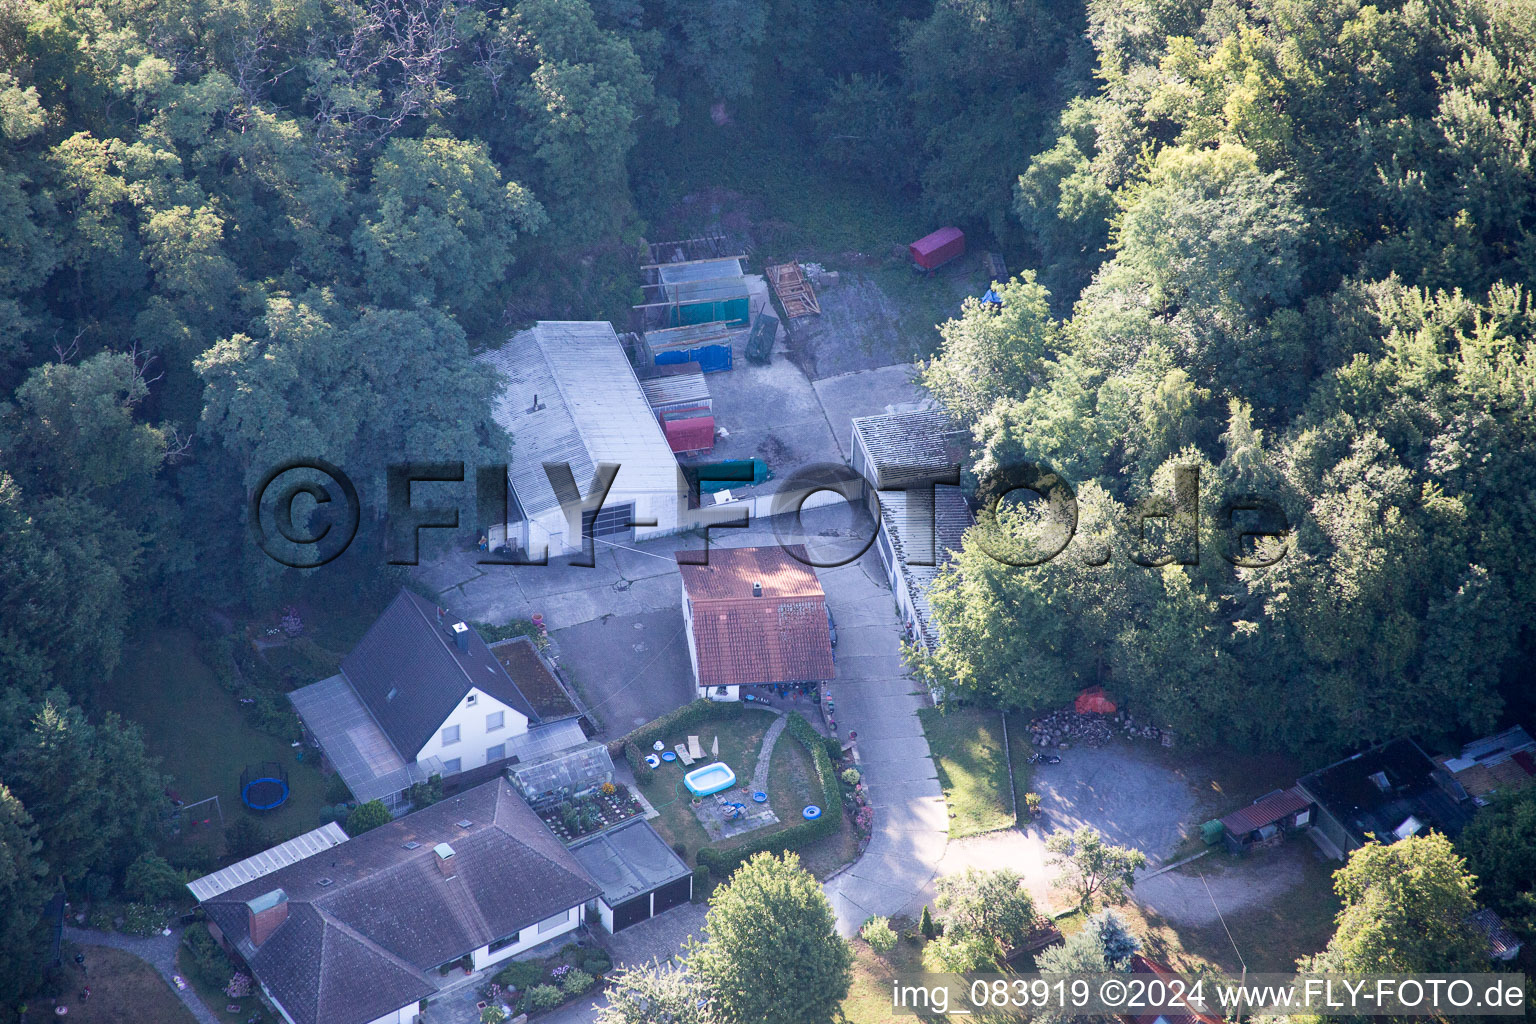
x: 570, y: 397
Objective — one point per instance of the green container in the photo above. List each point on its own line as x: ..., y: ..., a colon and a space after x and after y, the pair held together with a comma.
x: 1211, y: 831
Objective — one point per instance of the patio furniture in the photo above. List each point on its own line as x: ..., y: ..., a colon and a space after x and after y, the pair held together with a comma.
x: 682, y: 752
x: 694, y: 750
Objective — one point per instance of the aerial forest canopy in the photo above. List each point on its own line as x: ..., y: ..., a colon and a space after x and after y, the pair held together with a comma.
x: 1286, y: 241
x: 1290, y: 244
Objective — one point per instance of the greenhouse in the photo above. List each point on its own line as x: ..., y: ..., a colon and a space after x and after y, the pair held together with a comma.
x: 559, y: 777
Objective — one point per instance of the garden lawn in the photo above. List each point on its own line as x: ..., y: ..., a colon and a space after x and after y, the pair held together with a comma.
x: 967, y: 748
x: 202, y: 736
x: 740, y: 738
x: 869, y: 998
x: 123, y: 988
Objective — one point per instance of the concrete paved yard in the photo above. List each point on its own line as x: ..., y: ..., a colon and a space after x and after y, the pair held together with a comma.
x: 1121, y: 789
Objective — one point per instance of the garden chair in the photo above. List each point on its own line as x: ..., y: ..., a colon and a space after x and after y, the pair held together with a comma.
x: 694, y: 750
x: 683, y: 755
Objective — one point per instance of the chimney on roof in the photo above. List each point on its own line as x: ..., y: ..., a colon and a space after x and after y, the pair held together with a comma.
x: 265, y: 914
x: 537, y: 405
x: 445, y: 862
x: 757, y: 589
x: 460, y: 633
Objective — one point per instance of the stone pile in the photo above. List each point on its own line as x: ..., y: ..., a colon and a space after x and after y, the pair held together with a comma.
x: 1067, y: 727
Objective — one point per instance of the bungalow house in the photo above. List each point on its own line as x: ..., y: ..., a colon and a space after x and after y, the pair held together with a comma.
x: 1267, y: 818
x: 754, y: 616
x: 1388, y: 792
x: 362, y: 931
x: 421, y: 695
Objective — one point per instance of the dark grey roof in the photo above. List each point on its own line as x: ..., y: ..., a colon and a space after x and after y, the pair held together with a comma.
x: 358, y: 947
x: 629, y: 860
x: 908, y: 446
x: 408, y: 652
x: 1352, y: 791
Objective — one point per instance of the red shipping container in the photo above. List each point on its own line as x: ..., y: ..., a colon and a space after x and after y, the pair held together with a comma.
x: 933, y: 251
x: 691, y: 434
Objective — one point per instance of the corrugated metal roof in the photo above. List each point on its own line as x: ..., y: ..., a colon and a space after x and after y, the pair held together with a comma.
x: 675, y: 389
x: 1502, y: 943
x: 942, y: 534
x: 1265, y: 811
x: 268, y: 861
x: 907, y: 446
x: 703, y: 280
x: 590, y: 410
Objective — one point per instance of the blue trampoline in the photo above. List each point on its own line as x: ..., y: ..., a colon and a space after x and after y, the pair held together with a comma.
x: 264, y: 787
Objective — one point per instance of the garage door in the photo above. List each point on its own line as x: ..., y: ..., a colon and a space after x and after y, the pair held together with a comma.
x: 631, y: 912
x: 611, y: 521
x: 673, y: 894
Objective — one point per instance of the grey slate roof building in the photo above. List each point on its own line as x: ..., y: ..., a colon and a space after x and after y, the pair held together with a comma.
x: 410, y: 674
x: 350, y: 934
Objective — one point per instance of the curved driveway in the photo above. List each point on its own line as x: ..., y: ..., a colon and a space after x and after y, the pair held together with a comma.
x: 875, y: 698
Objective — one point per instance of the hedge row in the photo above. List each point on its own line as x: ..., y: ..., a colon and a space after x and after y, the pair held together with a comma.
x: 722, y: 862
x: 674, y: 721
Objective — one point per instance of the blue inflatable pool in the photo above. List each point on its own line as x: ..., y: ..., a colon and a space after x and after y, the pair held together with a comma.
x: 712, y: 778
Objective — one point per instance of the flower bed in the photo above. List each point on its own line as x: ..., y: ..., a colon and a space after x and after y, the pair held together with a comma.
x: 611, y: 804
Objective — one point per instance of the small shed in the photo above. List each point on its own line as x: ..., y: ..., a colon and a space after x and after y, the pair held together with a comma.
x: 707, y: 345
x: 1271, y: 815
x: 934, y: 250
x: 693, y: 291
x: 679, y: 396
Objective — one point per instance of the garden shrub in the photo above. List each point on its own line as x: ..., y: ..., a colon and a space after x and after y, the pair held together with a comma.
x: 519, y: 974
x: 543, y: 997
x: 851, y: 776
x: 152, y: 879
x: 575, y: 982
x: 877, y: 932
x: 597, y: 962
x: 700, y: 882
x: 637, y: 765
x: 103, y: 916
x: 205, y: 958
x: 681, y: 849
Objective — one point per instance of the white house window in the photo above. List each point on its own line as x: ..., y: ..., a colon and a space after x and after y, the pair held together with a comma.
x: 451, y: 766
x: 503, y: 942
x: 470, y: 700
x: 495, y: 720
x: 450, y: 735
x: 495, y: 753
x: 555, y: 922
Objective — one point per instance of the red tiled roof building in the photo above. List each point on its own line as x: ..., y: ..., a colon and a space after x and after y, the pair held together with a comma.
x: 754, y: 615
